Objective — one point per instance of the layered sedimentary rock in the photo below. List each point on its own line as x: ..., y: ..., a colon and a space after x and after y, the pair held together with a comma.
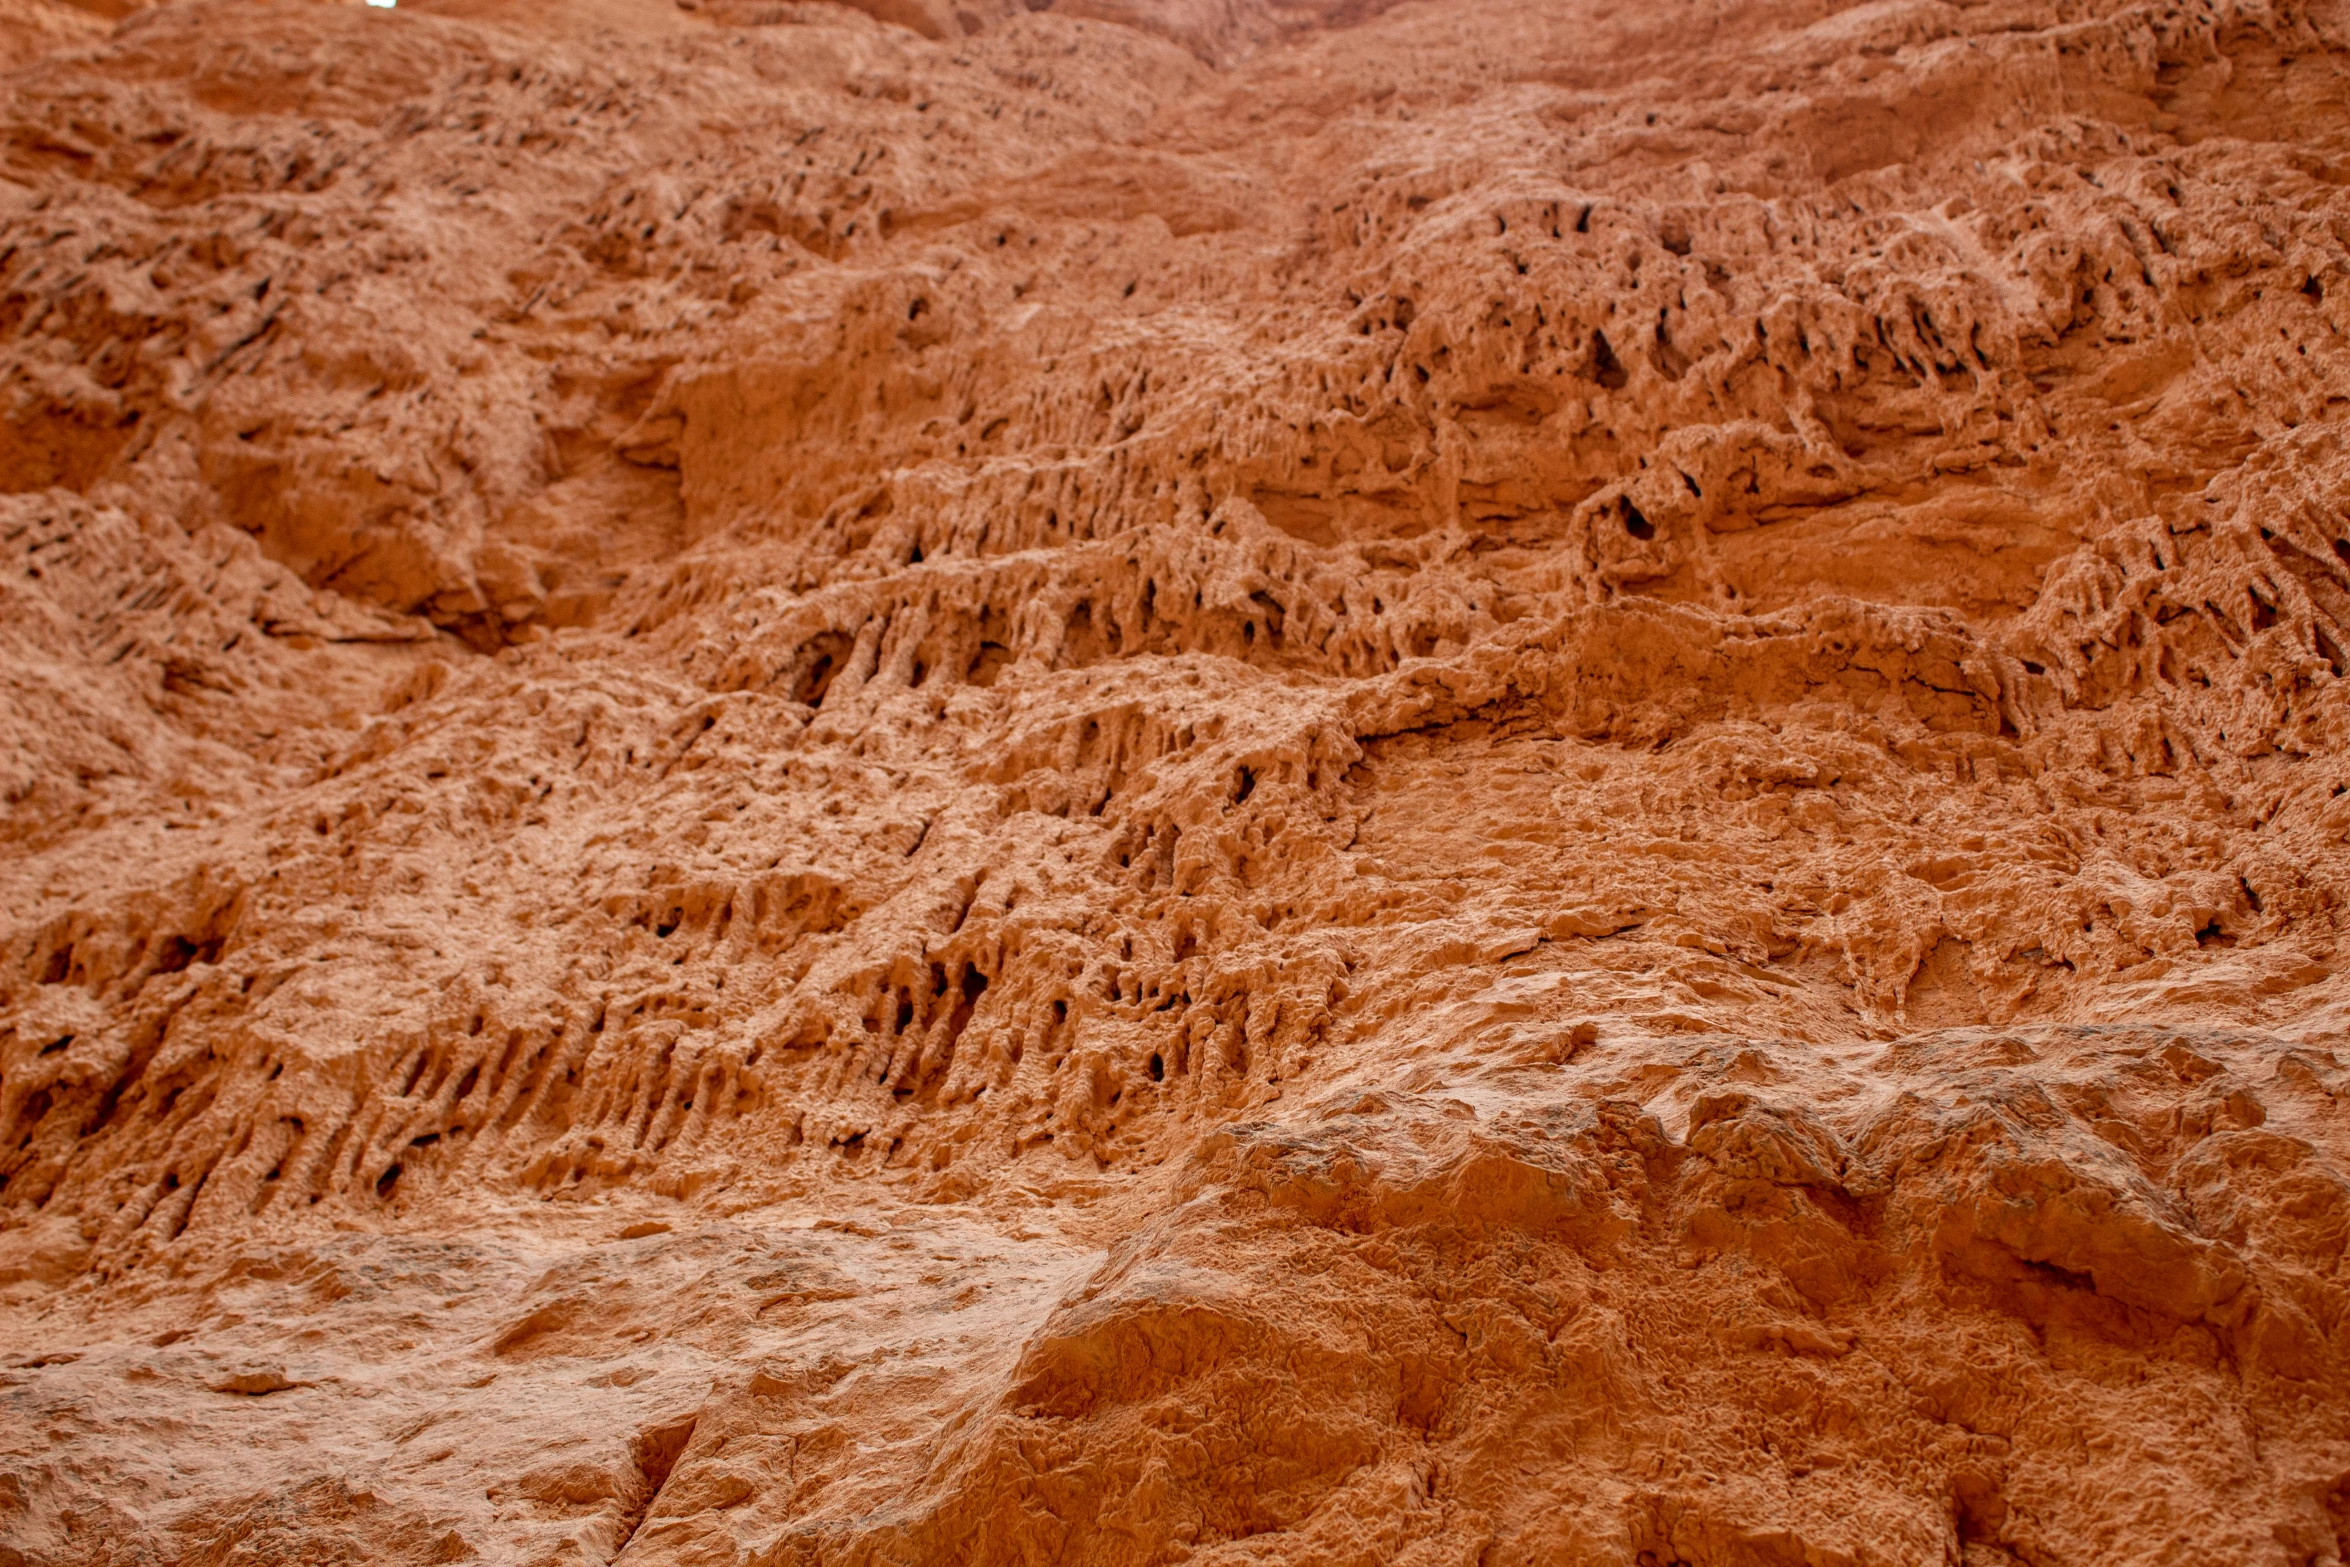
x: 1235, y: 781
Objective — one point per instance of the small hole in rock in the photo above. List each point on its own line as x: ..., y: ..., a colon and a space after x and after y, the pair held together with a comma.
x: 1606, y: 369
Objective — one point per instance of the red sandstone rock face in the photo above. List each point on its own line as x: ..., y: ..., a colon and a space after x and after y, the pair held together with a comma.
x: 1234, y: 781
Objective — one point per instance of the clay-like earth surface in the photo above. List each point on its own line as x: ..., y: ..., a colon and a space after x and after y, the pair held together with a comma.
x: 1153, y: 781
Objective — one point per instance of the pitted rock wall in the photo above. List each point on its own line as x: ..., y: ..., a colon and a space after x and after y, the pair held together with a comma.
x: 1226, y: 782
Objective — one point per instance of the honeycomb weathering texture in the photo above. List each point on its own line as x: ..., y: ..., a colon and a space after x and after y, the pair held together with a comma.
x: 1150, y: 781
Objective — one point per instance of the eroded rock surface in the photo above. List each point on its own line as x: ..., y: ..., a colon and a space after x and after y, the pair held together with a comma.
x: 1226, y: 781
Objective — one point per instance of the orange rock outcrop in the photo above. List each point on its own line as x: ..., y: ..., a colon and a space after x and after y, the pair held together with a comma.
x: 1150, y: 781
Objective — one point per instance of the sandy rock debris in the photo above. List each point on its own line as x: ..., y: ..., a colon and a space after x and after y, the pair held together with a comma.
x: 1225, y: 781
